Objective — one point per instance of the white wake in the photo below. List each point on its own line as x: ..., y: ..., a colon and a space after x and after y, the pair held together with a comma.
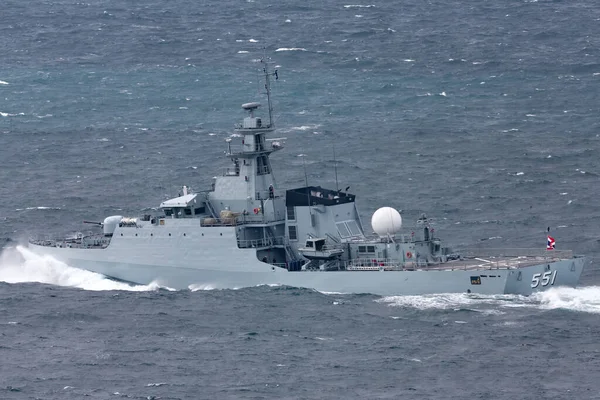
x: 18, y: 265
x: 584, y: 299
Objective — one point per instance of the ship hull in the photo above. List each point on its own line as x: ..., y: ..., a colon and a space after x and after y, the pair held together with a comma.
x: 241, y: 269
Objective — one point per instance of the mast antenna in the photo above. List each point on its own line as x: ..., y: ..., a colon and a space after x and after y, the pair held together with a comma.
x: 268, y: 86
x: 306, y: 184
x: 337, y: 189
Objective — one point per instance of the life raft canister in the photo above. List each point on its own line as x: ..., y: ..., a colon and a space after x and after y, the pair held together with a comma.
x: 256, y: 210
x: 408, y: 254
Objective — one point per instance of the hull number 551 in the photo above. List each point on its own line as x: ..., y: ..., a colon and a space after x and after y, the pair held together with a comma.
x: 545, y: 279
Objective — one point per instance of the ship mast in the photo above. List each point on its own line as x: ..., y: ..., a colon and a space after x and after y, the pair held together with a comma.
x: 268, y: 88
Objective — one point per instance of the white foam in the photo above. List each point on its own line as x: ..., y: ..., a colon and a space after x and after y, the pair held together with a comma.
x: 38, y: 208
x: 3, y: 114
x: 243, y: 52
x: 359, y: 6
x: 445, y: 301
x: 584, y: 299
x: 291, y: 49
x: 331, y: 293
x: 198, y: 287
x: 20, y: 265
x: 3, y: 83
x: 304, y: 127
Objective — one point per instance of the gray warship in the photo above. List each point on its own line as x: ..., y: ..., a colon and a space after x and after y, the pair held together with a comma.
x: 245, y: 231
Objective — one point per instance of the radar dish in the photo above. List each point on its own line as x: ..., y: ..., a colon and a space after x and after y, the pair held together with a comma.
x: 386, y: 221
x: 250, y: 106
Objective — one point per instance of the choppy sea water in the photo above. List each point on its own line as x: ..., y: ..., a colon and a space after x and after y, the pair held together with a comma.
x: 483, y: 115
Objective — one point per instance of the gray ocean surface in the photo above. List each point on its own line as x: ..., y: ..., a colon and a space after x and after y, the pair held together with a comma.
x: 484, y: 115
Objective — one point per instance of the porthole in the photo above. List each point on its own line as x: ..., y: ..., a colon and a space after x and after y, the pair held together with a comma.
x: 136, y: 234
x: 203, y: 234
x: 121, y: 234
x: 184, y: 234
x: 221, y: 234
x: 169, y: 234
x: 152, y: 234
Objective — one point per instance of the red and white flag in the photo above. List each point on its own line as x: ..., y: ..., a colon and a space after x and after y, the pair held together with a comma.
x: 551, y: 244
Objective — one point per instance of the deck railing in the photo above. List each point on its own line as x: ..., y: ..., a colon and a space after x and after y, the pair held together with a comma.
x: 239, y: 220
x: 263, y: 242
x: 516, y: 252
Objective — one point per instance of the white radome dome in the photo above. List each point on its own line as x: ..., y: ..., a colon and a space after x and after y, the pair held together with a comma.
x: 386, y: 221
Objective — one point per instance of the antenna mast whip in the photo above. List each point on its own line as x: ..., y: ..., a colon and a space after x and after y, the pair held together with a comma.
x: 337, y: 189
x: 268, y: 87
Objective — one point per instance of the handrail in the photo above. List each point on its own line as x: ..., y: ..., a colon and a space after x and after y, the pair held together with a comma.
x: 515, y: 252
x: 264, y: 242
x: 239, y: 220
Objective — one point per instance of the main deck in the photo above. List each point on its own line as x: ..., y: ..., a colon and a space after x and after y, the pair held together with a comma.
x: 470, y: 259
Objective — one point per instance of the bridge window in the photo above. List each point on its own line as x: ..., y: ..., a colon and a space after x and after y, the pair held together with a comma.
x: 348, y: 228
x: 262, y: 165
x: 353, y: 228
x: 342, y: 229
x: 292, y: 233
x: 291, y: 213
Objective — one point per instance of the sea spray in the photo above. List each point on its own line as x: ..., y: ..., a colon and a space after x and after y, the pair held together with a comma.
x: 18, y: 265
